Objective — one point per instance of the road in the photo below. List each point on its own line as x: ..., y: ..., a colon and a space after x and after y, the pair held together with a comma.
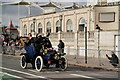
x: 11, y: 67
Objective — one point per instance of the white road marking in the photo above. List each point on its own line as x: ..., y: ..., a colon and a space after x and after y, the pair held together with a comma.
x: 13, y: 75
x: 23, y: 72
x: 84, y: 76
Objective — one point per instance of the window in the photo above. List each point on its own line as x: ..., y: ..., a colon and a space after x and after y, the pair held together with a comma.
x: 81, y: 24
x: 58, y: 26
x: 25, y: 30
x: 48, y: 27
x: 39, y: 28
x: 69, y: 25
x: 32, y: 28
x: 107, y: 17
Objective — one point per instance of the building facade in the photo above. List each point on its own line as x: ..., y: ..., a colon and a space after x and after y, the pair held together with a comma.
x: 69, y: 26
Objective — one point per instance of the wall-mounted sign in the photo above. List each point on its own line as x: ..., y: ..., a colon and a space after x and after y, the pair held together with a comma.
x: 107, y: 17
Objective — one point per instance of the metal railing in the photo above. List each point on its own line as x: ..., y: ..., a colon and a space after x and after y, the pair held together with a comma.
x: 12, y: 50
x: 94, y: 57
x: 75, y: 56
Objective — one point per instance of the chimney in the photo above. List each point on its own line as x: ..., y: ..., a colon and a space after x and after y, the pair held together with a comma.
x: 102, y: 2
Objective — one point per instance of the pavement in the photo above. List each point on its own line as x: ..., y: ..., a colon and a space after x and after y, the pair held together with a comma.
x: 92, y: 62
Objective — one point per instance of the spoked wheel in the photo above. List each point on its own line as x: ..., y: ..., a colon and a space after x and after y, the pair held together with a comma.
x: 23, y: 62
x: 39, y: 63
x: 63, y: 63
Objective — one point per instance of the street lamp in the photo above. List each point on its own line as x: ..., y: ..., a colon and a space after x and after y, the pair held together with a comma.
x: 61, y: 22
x: 34, y: 20
x: 60, y: 25
x: 85, y: 26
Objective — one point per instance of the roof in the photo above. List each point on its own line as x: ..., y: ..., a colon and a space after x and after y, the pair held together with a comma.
x: 17, y: 3
x: 51, y: 4
x: 11, y: 27
x: 74, y: 6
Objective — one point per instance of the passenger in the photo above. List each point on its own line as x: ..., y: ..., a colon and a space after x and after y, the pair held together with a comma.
x: 48, y: 34
x: 47, y: 43
x: 38, y: 43
x: 30, y: 39
x: 30, y: 50
x: 29, y: 46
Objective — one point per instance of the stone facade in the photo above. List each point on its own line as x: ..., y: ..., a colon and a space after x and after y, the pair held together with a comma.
x: 73, y: 33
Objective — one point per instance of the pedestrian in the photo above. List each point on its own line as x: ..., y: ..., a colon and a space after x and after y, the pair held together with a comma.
x: 61, y: 46
x: 21, y: 42
x: 17, y: 39
x: 4, y: 47
x: 5, y: 44
x: 2, y: 38
x: 113, y: 59
x: 11, y: 47
x: 98, y: 27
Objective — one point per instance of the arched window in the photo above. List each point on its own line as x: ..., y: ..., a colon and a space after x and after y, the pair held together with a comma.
x: 39, y: 28
x: 58, y: 26
x: 48, y: 27
x: 25, y: 30
x: 32, y: 28
x: 69, y: 26
x: 81, y: 24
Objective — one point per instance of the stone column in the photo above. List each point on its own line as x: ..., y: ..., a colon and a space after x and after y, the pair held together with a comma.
x: 63, y: 23
x: 76, y: 43
x: 44, y: 26
x: 59, y: 35
x: 52, y: 25
x: 28, y: 25
x: 97, y: 46
x: 96, y: 38
x: 20, y: 28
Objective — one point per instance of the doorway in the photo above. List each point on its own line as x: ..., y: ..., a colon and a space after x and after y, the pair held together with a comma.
x: 81, y: 24
x: 117, y: 45
x: 81, y: 27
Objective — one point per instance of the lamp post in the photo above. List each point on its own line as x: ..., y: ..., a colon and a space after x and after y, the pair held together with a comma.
x: 99, y: 47
x: 60, y: 25
x: 34, y: 20
x: 60, y: 22
x: 85, y: 26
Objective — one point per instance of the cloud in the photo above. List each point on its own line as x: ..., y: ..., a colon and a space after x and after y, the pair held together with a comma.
x: 11, y: 12
x: 59, y: 0
x: 9, y: 0
x: 49, y: 0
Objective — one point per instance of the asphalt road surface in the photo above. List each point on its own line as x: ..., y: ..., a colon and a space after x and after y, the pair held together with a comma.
x: 11, y: 70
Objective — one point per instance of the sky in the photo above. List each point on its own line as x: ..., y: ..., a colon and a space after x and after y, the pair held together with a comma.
x: 58, y: 0
x: 47, y: 0
x: 13, y: 12
x: 10, y: 12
